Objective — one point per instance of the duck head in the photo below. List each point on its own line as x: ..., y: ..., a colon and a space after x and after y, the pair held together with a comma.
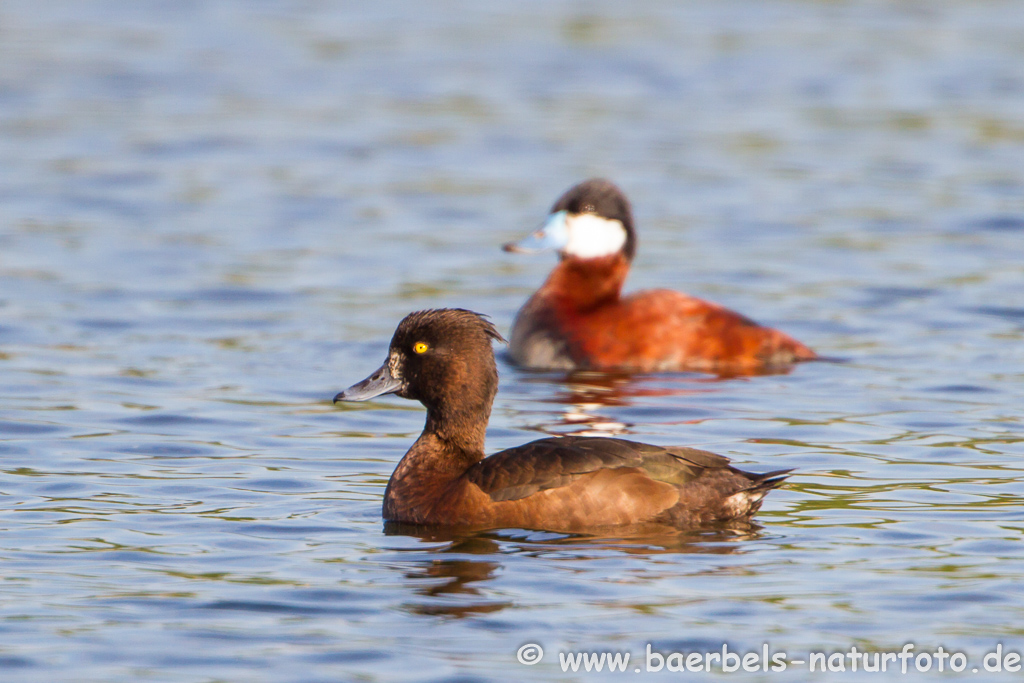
x: 443, y: 359
x: 591, y: 220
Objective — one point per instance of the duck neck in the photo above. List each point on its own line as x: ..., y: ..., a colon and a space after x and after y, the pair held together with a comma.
x: 460, y: 432
x: 453, y: 437
x: 439, y: 457
x: 583, y: 284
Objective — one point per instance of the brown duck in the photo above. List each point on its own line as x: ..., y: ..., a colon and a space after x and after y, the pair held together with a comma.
x: 579, y: 318
x: 443, y: 359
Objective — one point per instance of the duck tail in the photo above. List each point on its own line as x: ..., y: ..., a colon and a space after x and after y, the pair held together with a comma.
x: 748, y: 501
x: 804, y: 353
x: 769, y: 480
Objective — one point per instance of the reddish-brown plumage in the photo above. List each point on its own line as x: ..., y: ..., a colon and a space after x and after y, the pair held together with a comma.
x: 444, y: 360
x: 579, y: 320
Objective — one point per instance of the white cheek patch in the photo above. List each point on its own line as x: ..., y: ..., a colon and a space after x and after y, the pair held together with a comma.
x: 591, y: 236
x: 395, y: 365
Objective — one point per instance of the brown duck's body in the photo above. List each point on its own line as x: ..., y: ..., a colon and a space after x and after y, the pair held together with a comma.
x: 571, y: 484
x: 578, y: 320
x: 443, y: 358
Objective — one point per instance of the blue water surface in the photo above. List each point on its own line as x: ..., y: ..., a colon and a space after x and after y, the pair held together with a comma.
x: 213, y: 215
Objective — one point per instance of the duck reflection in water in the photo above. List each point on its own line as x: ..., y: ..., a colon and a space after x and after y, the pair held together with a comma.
x: 448, y: 582
x: 584, y: 393
x: 452, y: 579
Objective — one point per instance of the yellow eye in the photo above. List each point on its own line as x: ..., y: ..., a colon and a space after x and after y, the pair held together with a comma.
x: 420, y: 347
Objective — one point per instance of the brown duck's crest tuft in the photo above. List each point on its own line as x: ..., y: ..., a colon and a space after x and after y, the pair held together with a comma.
x: 450, y: 318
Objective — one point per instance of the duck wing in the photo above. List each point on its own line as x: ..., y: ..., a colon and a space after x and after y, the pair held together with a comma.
x: 557, y: 461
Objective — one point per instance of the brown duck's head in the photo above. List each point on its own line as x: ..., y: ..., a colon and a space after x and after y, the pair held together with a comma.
x: 439, y: 357
x: 591, y: 220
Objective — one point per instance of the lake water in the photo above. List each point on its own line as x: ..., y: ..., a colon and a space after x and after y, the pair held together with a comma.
x: 213, y: 215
